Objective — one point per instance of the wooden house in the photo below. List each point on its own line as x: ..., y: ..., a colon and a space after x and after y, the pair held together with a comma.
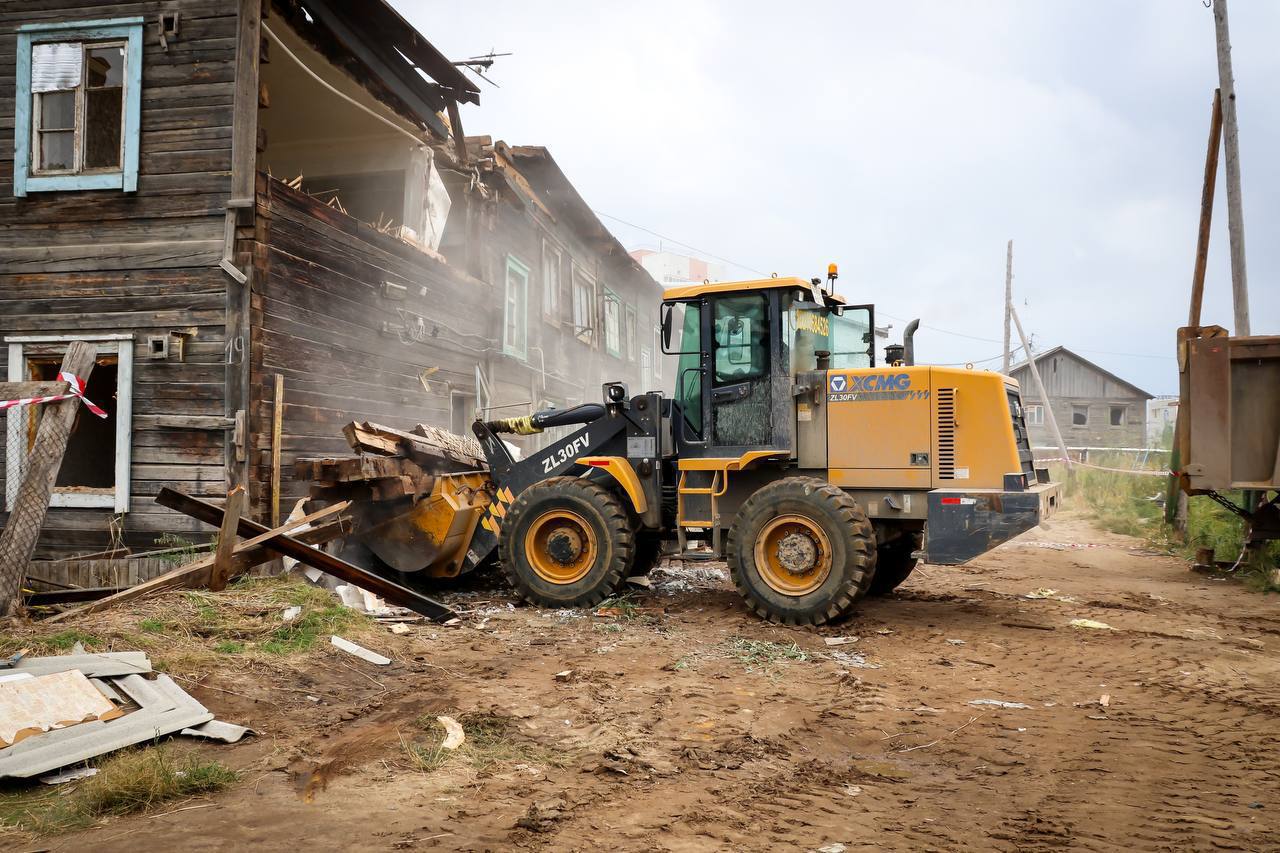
x: 1093, y: 407
x: 265, y: 216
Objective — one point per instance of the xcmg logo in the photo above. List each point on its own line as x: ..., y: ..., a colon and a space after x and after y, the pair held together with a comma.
x: 873, y: 386
x: 871, y: 382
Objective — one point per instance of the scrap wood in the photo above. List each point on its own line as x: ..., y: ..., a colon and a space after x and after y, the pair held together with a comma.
x: 196, y: 573
x: 292, y: 547
x: 434, y: 449
x: 365, y: 441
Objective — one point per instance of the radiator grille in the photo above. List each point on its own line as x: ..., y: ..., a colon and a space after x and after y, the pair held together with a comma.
x: 946, y: 433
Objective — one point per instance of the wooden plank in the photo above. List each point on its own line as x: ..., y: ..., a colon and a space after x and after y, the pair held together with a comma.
x: 220, y: 570
x: 244, y: 143
x: 198, y: 422
x: 277, y: 422
x: 20, y: 390
x: 197, y: 571
x: 291, y: 547
x: 22, y: 529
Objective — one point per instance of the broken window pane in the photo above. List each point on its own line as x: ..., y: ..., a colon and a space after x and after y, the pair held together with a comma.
x: 58, y: 111
x: 57, y: 150
x: 102, y: 128
x: 105, y: 66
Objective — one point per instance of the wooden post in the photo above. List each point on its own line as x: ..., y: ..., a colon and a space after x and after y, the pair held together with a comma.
x: 222, y: 558
x: 1231, y: 138
x: 1008, y: 306
x: 277, y: 428
x: 1044, y: 395
x: 1206, y: 209
x: 18, y: 540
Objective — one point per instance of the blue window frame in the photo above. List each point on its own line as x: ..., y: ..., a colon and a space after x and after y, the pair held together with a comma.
x: 515, y: 324
x: 72, y: 158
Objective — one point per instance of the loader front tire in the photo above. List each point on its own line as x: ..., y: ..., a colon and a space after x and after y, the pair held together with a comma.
x: 801, y: 552
x: 566, y: 542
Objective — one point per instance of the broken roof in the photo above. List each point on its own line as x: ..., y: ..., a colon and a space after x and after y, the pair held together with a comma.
x: 407, y: 66
x: 1061, y: 350
x: 553, y: 190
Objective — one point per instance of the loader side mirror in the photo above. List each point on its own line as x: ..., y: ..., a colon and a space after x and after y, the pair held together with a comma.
x: 667, y: 309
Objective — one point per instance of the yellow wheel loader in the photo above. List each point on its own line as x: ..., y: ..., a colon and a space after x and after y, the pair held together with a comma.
x: 817, y: 475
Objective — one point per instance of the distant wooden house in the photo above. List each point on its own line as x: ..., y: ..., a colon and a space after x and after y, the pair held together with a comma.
x: 1093, y: 406
x: 224, y: 195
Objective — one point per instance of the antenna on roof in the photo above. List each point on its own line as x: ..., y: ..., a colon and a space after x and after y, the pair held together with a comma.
x: 484, y: 61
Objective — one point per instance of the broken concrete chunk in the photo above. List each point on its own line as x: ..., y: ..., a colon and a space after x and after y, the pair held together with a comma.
x: 454, y: 737
x: 359, y: 651
x: 1092, y: 624
x: 998, y: 703
x: 69, y: 775
x: 218, y: 730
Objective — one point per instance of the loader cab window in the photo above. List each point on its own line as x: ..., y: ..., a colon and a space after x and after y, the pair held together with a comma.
x: 686, y: 317
x: 741, y: 334
x: 847, y: 335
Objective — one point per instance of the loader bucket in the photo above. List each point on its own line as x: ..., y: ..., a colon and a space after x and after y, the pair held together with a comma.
x: 430, y: 535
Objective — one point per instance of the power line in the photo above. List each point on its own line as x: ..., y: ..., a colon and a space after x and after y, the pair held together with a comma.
x: 881, y: 313
x: 679, y: 243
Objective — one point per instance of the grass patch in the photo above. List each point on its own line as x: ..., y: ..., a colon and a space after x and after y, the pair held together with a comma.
x: 763, y: 655
x: 127, y: 782
x: 1124, y: 503
x: 183, y: 549
x: 619, y: 607
x: 188, y: 631
x: 303, y: 632
x: 492, y: 741
x: 61, y: 642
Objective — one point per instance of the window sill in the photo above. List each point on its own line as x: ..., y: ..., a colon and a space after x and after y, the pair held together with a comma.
x: 62, y: 183
x: 84, y: 499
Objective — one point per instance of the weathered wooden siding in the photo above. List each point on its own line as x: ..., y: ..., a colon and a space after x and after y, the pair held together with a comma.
x: 558, y: 365
x: 320, y: 318
x: 1069, y: 377
x: 109, y: 262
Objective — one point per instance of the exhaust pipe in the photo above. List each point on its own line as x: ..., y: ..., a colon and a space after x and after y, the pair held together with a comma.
x: 909, y: 343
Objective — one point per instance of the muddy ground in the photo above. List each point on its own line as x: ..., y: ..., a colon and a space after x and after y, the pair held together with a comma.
x: 683, y: 723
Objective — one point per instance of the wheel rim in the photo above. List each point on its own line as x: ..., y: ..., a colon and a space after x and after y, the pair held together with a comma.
x: 793, y: 555
x: 560, y: 546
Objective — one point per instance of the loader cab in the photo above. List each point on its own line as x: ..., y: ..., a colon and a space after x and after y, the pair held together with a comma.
x: 741, y: 347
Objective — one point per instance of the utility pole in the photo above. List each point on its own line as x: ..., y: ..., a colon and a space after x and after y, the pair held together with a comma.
x: 1231, y: 144
x: 1008, y: 305
x: 1044, y: 395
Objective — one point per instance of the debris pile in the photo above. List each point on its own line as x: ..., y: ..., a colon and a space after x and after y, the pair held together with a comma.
x: 66, y: 709
x: 392, y: 464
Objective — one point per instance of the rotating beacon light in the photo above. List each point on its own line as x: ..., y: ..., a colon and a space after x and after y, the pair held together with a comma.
x: 833, y: 273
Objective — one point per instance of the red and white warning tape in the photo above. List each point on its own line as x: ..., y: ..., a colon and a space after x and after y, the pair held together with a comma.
x: 76, y: 389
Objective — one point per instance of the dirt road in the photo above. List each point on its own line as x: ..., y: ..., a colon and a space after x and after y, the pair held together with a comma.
x: 682, y: 723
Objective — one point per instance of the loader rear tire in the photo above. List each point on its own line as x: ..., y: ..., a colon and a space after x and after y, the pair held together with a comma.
x: 894, y: 562
x: 801, y: 552
x: 566, y: 542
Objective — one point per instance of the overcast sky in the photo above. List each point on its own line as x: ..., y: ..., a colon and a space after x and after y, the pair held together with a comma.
x: 908, y: 142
